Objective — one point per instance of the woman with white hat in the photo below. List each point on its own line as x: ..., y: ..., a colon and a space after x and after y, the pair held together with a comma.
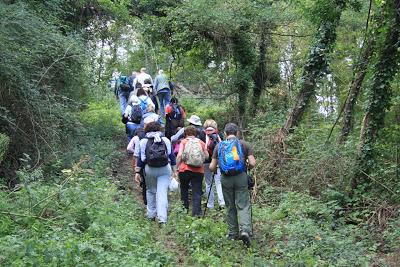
x: 196, y: 122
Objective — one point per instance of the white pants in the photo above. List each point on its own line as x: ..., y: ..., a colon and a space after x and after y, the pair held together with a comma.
x: 217, y: 181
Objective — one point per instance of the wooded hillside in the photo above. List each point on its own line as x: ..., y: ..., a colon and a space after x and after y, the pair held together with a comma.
x: 313, y: 85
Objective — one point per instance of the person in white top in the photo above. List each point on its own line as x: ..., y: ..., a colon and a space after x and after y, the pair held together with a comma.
x: 141, y: 77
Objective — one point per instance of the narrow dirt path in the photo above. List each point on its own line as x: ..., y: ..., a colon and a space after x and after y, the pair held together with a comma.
x: 123, y: 177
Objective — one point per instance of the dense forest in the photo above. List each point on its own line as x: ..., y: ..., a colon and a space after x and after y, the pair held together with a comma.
x: 312, y: 84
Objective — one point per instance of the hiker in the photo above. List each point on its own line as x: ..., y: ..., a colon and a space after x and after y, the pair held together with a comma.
x: 212, y: 139
x: 234, y: 157
x: 148, y: 87
x: 133, y: 148
x: 136, y: 108
x: 157, y: 159
x: 122, y: 90
x: 190, y: 162
x: 150, y: 111
x: 142, y: 76
x: 131, y: 79
x: 196, y: 122
x: 162, y: 90
x: 174, y: 118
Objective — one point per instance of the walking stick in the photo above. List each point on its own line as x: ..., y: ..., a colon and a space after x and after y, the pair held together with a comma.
x: 209, y: 193
x: 250, y: 187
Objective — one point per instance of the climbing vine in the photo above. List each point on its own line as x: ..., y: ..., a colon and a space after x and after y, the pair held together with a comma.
x: 380, y: 93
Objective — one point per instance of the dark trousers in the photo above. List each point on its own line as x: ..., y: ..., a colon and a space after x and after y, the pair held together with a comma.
x: 143, y: 186
x: 196, y: 180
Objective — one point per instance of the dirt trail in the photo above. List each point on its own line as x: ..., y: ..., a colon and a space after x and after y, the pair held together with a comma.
x: 123, y: 177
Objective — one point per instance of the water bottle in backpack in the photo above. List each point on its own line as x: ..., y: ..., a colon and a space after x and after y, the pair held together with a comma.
x: 231, y: 159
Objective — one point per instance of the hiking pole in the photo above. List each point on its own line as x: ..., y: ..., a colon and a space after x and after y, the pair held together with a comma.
x: 209, y: 193
x: 250, y: 187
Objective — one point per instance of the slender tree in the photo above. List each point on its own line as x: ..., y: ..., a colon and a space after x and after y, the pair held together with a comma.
x: 355, y: 88
x: 379, y: 94
x: 244, y: 58
x: 316, y: 65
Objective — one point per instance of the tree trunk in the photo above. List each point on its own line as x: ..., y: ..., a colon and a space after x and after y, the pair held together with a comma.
x: 314, y: 69
x: 355, y: 89
x: 101, y: 62
x: 259, y: 75
x: 244, y: 58
x: 380, y: 92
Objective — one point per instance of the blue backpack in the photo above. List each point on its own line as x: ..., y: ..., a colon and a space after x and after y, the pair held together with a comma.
x: 143, y: 104
x: 231, y: 159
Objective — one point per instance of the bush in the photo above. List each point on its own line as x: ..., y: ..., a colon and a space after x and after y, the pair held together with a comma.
x: 42, y: 77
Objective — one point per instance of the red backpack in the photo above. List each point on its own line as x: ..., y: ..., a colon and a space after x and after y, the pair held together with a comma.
x: 212, y: 139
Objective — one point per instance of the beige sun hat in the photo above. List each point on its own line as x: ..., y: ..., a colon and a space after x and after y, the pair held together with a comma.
x: 195, y: 120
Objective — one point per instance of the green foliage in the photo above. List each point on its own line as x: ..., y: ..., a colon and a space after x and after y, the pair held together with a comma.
x: 65, y: 222
x: 43, y: 76
x: 292, y: 229
x: 4, y: 142
x: 379, y: 93
x: 302, y: 230
x: 208, y: 109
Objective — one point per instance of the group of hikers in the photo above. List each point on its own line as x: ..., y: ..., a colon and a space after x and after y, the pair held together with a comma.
x: 163, y: 151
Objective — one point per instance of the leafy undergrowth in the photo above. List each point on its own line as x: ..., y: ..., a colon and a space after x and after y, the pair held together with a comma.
x: 294, y: 230
x: 78, y: 217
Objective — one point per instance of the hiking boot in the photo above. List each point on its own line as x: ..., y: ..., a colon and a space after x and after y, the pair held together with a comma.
x: 245, y: 237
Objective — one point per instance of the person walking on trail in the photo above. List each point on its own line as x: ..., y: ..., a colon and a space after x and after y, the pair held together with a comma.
x: 190, y: 161
x: 150, y: 111
x: 196, y: 122
x: 122, y: 91
x: 148, y: 87
x: 133, y: 148
x: 157, y: 159
x: 174, y: 118
x: 131, y: 79
x: 142, y: 76
x: 212, y: 139
x: 234, y: 157
x: 136, y: 108
x: 162, y: 90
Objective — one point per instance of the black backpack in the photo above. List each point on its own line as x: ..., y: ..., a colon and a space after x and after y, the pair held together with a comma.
x: 156, y: 153
x: 201, y: 134
x: 136, y: 114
